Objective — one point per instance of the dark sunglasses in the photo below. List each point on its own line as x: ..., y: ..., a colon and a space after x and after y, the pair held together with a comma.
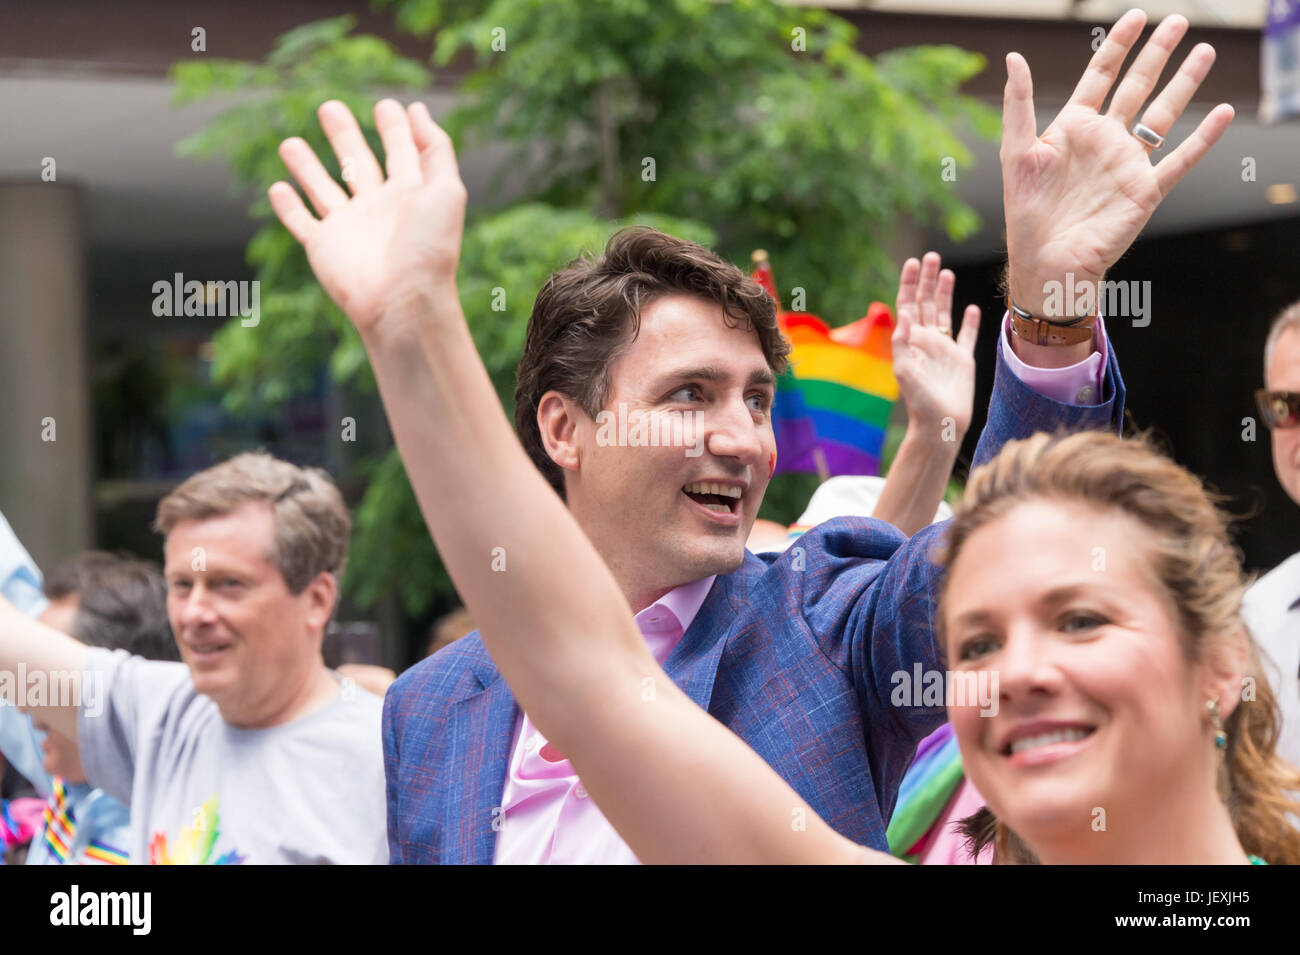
x: 1279, y: 409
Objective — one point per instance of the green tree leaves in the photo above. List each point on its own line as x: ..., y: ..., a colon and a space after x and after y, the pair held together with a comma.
x: 741, y: 124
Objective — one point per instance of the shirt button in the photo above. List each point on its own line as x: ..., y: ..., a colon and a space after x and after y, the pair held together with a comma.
x: 1084, y: 393
x: 580, y: 792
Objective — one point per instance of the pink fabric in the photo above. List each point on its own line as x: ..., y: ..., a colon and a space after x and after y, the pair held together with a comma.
x: 25, y: 813
x: 947, y: 846
x: 1062, y: 384
x: 547, y: 816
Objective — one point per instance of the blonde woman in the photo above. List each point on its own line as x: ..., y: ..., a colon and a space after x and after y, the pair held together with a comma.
x: 1096, y: 580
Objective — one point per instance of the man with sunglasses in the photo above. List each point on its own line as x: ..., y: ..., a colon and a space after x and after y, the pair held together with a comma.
x: 1272, y: 605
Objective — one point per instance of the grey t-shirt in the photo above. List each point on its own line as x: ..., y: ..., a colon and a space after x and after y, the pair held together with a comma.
x: 202, y: 791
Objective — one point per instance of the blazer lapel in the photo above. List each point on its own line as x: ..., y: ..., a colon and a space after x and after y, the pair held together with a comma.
x: 693, y: 664
x: 483, y: 726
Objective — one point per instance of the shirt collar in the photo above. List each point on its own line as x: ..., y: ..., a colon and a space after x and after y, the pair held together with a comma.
x: 675, y: 609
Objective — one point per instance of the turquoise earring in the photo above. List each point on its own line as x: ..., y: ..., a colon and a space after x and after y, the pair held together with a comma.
x: 1220, y: 737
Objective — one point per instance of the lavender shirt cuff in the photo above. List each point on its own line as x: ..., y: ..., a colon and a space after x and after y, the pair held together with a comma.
x: 1077, y: 384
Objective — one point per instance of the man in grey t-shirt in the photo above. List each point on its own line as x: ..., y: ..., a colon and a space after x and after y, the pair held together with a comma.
x: 251, y: 750
x: 306, y: 791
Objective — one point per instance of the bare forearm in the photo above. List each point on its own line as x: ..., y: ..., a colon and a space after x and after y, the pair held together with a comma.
x: 510, y: 545
x: 681, y: 788
x: 41, y: 669
x: 917, y: 479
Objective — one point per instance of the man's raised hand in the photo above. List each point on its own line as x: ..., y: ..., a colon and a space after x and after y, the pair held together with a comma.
x: 398, y: 236
x: 1076, y: 197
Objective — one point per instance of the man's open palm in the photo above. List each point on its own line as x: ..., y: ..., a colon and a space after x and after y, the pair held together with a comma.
x: 1078, y: 195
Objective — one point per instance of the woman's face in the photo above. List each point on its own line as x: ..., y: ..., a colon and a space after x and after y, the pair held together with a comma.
x: 1100, y: 718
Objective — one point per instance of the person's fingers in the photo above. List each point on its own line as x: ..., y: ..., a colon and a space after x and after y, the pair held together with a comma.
x: 400, y: 156
x: 325, y: 194
x: 437, y: 153
x: 1178, y: 92
x: 905, y: 303
x: 1190, y: 151
x: 900, y: 335
x: 943, y: 299
x: 290, y: 211
x: 1105, y: 63
x: 907, y: 284
x: 360, y: 168
x: 1019, y: 127
x: 1140, y: 78
x: 970, y: 329
x: 925, y: 294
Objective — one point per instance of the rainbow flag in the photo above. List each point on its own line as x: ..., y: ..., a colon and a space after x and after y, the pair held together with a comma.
x: 833, y: 405
x: 924, y: 794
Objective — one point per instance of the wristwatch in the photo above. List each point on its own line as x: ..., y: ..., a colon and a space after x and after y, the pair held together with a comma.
x: 1045, y: 331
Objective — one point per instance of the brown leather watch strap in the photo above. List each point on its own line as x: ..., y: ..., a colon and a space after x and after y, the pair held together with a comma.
x: 1039, y: 331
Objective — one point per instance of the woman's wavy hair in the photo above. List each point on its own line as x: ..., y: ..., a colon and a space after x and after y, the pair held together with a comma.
x: 1192, y: 555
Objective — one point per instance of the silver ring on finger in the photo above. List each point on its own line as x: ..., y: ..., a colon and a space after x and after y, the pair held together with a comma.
x: 1147, y: 136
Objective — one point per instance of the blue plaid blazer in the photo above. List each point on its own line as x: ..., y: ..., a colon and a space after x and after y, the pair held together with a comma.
x: 793, y: 652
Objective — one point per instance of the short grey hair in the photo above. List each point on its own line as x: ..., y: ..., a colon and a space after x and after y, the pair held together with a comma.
x: 1290, y: 318
x: 312, y: 524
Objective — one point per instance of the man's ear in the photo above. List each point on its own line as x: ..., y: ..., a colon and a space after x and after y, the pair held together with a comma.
x: 1226, y: 666
x: 557, y: 420
x: 322, y: 593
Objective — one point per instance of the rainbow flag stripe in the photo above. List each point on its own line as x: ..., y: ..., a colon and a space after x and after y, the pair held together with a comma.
x: 56, y: 842
x: 60, y: 829
x: 835, y: 401
x: 924, y: 793
x: 102, y: 852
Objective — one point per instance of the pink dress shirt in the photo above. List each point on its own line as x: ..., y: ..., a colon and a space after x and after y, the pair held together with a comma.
x: 547, y: 817
x: 1077, y: 384
x: 947, y: 846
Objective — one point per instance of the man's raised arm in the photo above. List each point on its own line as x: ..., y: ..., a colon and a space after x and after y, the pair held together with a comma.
x: 1075, y: 198
x: 41, y: 670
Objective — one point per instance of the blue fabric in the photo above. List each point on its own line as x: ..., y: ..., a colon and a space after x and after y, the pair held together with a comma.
x: 793, y: 652
x: 20, y: 581
x: 97, y: 815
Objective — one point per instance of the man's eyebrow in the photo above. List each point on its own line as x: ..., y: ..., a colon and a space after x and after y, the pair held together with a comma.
x: 713, y: 374
x: 701, y: 373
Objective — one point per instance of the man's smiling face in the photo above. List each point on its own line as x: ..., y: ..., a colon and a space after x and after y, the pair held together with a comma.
x: 240, y: 630
x: 665, y: 515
